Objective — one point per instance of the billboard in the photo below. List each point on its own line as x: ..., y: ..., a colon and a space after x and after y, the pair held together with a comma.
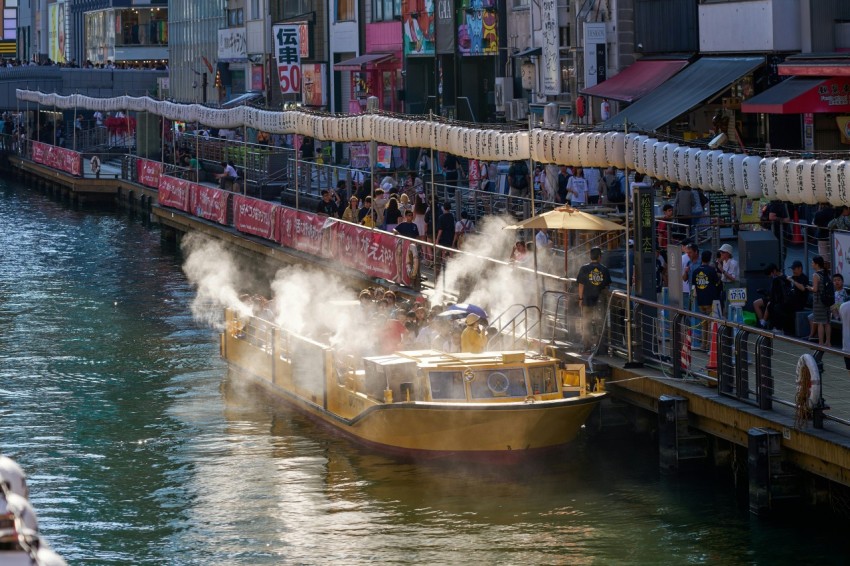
x: 314, y: 89
x: 56, y: 49
x: 477, y: 28
x: 418, y: 23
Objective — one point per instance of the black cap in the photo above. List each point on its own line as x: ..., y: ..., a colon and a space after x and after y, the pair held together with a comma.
x: 797, y: 263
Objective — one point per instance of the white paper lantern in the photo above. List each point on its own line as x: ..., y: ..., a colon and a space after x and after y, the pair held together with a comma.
x: 656, y: 160
x: 807, y: 186
x: 768, y: 179
x: 724, y: 173
x: 615, y: 150
x: 692, y: 171
x: 738, y: 184
x: 536, y: 144
x: 636, y: 153
x: 670, y: 167
x: 680, y: 172
x: 706, y: 163
x: 841, y: 197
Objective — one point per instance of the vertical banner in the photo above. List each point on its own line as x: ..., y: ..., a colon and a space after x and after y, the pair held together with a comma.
x: 550, y: 48
x: 841, y: 253
x: 288, y: 56
x: 257, y: 81
x: 594, y: 54
x: 445, y: 27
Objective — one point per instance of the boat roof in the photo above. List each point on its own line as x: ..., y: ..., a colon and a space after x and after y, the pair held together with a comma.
x: 436, y: 358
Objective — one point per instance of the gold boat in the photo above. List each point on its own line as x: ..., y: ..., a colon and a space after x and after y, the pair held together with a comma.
x: 421, y: 403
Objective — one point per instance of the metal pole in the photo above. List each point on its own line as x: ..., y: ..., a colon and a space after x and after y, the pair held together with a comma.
x: 75, y: 128
x: 433, y: 219
x: 531, y: 167
x: 296, y: 169
x: 628, y: 260
x: 371, y: 107
x: 245, y: 159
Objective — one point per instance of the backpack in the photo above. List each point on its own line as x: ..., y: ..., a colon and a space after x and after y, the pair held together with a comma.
x: 827, y: 292
x: 520, y: 177
x: 615, y: 191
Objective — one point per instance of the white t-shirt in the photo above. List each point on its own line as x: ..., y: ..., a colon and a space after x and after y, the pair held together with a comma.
x: 592, y: 176
x: 577, y: 190
x: 541, y: 240
x: 730, y: 265
x: 686, y: 262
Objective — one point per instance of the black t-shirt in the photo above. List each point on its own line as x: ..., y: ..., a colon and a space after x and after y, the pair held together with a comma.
x: 450, y: 164
x: 408, y: 229
x: 705, y: 283
x: 330, y: 208
x: 392, y: 216
x: 821, y: 220
x: 800, y: 299
x: 446, y: 225
x: 595, y: 277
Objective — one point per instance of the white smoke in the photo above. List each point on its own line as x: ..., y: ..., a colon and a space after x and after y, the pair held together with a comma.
x: 213, y: 270
x: 493, y: 285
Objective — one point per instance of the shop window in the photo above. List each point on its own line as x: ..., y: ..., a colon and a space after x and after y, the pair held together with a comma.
x: 142, y: 27
x: 287, y: 9
x: 519, y: 4
x: 386, y: 10
x: 345, y: 10
x: 255, y: 10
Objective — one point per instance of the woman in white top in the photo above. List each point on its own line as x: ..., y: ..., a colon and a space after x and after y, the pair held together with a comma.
x: 577, y: 187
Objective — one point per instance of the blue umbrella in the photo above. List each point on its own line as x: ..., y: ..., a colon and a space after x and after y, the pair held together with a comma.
x: 466, y: 308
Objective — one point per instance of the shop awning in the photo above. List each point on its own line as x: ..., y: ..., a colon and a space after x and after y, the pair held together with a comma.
x: 816, y: 65
x: 792, y: 96
x: 686, y: 90
x: 358, y: 63
x: 530, y: 52
x: 637, y: 80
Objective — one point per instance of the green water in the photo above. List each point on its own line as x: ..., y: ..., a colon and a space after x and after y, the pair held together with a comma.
x: 141, y: 450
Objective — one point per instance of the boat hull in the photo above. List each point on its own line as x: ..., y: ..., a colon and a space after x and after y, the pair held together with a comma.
x: 422, y: 427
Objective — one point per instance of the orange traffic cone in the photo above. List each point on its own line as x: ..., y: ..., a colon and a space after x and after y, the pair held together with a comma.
x: 796, y: 234
x: 712, y: 351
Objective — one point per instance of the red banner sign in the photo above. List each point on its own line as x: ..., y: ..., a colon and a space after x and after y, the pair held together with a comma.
x: 175, y: 192
x: 254, y: 216
x: 302, y: 231
x: 58, y: 158
x: 209, y: 203
x: 149, y: 172
x: 374, y: 253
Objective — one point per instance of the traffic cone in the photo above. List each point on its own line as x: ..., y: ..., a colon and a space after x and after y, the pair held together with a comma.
x: 685, y: 356
x: 796, y: 233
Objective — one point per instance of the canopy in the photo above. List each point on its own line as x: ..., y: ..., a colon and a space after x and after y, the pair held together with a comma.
x: 700, y: 81
x: 358, y: 63
x: 637, y: 80
x: 800, y: 95
x: 567, y: 218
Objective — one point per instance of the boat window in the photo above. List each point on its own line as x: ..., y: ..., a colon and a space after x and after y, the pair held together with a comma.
x: 543, y: 380
x: 509, y: 382
x: 447, y: 385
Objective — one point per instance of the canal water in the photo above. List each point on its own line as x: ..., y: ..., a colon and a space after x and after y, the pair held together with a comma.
x: 141, y: 450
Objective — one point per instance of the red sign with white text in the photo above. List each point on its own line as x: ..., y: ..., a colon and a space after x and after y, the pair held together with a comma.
x: 302, y: 230
x: 254, y: 216
x: 58, y: 158
x: 374, y: 253
x: 174, y: 192
x: 209, y: 203
x: 149, y: 172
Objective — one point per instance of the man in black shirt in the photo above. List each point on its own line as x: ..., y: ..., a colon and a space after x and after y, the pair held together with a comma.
x: 329, y: 205
x: 407, y: 227
x: 822, y: 218
x: 705, y: 286
x: 445, y: 234
x: 592, y: 279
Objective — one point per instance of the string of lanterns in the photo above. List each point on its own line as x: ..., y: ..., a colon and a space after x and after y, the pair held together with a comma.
x: 790, y: 179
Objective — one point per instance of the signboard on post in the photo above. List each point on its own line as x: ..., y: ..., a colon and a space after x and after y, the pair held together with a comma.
x: 550, y: 48
x: 595, y: 54
x: 287, y: 54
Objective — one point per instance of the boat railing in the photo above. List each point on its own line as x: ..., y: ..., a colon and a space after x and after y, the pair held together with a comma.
x: 517, y: 327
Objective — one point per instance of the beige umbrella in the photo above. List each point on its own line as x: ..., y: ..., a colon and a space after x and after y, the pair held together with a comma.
x: 567, y: 218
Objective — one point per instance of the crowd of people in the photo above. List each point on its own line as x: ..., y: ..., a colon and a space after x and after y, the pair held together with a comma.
x: 72, y: 64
